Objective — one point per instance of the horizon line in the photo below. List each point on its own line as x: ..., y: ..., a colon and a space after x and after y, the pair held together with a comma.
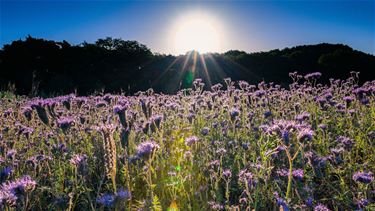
x: 176, y: 55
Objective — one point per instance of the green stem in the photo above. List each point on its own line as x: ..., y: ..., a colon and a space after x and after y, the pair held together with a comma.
x: 290, y: 176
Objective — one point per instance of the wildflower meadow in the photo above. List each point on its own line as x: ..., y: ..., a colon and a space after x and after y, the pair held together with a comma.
x: 232, y: 146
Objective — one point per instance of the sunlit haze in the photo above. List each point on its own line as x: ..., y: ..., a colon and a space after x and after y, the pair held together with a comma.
x: 196, y: 31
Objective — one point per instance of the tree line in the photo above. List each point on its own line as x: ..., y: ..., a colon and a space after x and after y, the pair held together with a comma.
x: 43, y: 67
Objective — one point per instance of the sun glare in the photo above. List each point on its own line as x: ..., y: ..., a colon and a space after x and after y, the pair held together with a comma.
x: 196, y: 32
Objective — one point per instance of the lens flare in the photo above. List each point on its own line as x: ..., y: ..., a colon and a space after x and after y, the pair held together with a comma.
x: 196, y: 31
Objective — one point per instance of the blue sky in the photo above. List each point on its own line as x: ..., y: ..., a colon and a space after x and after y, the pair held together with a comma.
x: 247, y: 25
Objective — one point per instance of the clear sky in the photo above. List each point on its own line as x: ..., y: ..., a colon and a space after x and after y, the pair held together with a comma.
x: 241, y: 25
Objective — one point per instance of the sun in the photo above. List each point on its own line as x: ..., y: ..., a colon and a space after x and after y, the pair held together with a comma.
x: 197, y: 32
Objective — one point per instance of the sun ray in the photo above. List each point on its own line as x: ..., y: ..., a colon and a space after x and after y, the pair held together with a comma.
x: 162, y: 74
x: 203, y: 62
x: 218, y: 68
x: 242, y: 68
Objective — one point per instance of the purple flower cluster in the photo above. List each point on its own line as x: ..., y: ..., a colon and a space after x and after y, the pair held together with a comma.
x: 77, y: 160
x: 321, y: 207
x: 281, y: 202
x: 10, y: 192
x: 297, y: 174
x: 313, y: 76
x: 215, y: 206
x: 303, y: 116
x: 109, y: 199
x: 145, y: 149
x: 246, y: 178
x: 363, y: 177
x: 305, y: 134
x: 65, y: 122
x: 191, y: 140
x: 235, y: 141
x: 227, y: 173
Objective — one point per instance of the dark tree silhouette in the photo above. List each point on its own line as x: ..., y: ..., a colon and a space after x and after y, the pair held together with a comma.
x: 42, y: 67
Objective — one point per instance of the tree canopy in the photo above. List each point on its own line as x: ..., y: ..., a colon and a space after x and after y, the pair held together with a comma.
x: 44, y: 67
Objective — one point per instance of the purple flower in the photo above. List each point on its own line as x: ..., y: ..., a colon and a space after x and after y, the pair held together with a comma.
x: 106, y: 200
x: 27, y: 131
x: 285, y: 137
x: 214, y: 164
x: 11, y: 153
x: 191, y: 140
x: 313, y: 76
x: 205, y: 131
x: 221, y: 151
x: 282, y: 172
x: 11, y: 191
x: 305, y: 134
x: 119, y: 109
x: 27, y: 111
x: 267, y: 114
x: 245, y: 146
x: 227, y: 173
x: 281, y: 202
x: 8, y: 198
x: 338, y: 150
x: 123, y: 194
x: 156, y: 120
x: 302, y: 117
x: 65, y: 123
x: 101, y: 104
x: 215, y: 206
x: 259, y: 93
x: 345, y: 141
x: 363, y: 203
x: 348, y: 99
x: 190, y: 117
x: 4, y: 174
x: 234, y: 113
x: 364, y: 177
x: 321, y: 207
x: 78, y: 160
x: 298, y: 174
x: 246, y: 178
x: 322, y: 126
x: 145, y: 149
x: 309, y: 201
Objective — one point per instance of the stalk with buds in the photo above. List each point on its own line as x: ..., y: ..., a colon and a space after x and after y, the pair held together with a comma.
x: 110, y: 154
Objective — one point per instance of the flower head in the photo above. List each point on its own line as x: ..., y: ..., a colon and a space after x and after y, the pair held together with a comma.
x: 234, y: 112
x: 11, y: 191
x: 205, y: 131
x: 364, y: 177
x: 123, y: 194
x: 145, y: 149
x: 191, y: 140
x: 78, y: 160
x: 321, y: 207
x: 65, y: 122
x: 305, y: 134
x: 313, y: 76
x: 227, y: 173
x: 106, y: 200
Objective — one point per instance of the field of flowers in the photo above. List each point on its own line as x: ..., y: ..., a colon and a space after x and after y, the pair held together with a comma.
x: 236, y: 147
